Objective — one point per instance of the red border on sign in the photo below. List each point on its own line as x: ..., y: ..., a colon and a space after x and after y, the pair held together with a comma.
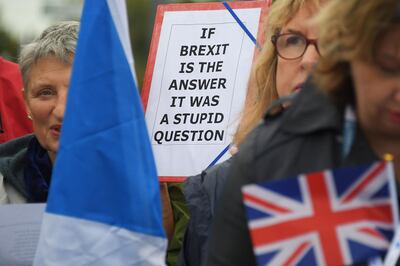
x: 161, y: 9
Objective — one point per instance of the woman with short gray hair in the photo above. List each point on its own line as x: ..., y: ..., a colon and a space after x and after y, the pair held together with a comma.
x: 26, y: 163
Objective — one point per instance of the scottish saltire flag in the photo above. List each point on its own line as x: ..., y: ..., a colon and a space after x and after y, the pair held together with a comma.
x: 334, y: 217
x: 104, y: 204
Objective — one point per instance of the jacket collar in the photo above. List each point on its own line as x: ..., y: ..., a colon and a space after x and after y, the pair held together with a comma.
x: 311, y: 110
x: 361, y: 152
x: 13, y: 161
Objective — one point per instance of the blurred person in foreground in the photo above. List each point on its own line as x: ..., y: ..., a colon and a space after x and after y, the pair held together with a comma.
x: 359, y: 69
x: 288, y: 56
x: 14, y: 121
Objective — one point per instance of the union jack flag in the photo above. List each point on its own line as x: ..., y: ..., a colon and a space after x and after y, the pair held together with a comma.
x: 336, y: 217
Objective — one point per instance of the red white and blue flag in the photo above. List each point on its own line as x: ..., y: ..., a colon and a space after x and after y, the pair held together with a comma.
x: 336, y: 217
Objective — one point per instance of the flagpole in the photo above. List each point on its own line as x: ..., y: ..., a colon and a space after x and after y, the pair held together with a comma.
x: 394, y: 251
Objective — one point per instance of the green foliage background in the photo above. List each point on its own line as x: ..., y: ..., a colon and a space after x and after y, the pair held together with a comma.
x: 8, y: 45
x: 141, y: 15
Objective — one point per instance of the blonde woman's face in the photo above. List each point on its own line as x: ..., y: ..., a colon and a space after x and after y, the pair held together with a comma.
x: 377, y: 89
x: 46, y: 98
x: 291, y: 74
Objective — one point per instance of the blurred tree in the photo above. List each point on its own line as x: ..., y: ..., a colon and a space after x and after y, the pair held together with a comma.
x: 141, y: 14
x: 140, y: 26
x: 8, y: 45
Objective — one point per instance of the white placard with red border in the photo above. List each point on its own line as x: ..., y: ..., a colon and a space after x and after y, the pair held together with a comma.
x: 196, y: 80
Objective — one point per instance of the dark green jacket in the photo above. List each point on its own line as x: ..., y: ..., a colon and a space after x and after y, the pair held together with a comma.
x: 181, y: 218
x: 12, y: 164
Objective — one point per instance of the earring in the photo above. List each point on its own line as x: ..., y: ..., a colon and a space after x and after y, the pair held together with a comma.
x: 29, y: 117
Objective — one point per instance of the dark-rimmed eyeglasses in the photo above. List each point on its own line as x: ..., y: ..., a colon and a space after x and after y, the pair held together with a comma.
x: 292, y: 46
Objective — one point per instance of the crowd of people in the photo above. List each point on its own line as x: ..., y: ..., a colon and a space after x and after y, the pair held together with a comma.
x: 321, y: 60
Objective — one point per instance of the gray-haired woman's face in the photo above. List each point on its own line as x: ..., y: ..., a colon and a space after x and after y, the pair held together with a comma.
x: 46, y: 98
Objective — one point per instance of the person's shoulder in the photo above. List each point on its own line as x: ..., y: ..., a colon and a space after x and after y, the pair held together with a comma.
x: 13, y: 147
x: 216, y: 171
x: 264, y: 136
x: 7, y: 64
x: 204, y: 190
x: 9, y: 70
x: 305, y: 113
x: 209, y: 175
x: 12, y: 158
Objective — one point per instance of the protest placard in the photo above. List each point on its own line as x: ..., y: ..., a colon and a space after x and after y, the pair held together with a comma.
x: 196, y: 80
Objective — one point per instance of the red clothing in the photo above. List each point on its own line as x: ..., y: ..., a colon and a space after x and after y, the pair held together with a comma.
x: 14, y: 120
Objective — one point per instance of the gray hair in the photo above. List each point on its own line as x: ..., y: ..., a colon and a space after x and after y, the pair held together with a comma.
x: 58, y: 40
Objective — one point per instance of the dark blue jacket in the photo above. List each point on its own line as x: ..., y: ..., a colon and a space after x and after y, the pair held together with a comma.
x: 202, y: 193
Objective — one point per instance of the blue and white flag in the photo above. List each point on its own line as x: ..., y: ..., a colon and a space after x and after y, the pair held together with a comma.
x: 104, y: 204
